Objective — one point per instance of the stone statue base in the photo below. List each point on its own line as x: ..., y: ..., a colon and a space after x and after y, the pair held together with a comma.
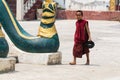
x: 41, y: 58
x: 7, y: 64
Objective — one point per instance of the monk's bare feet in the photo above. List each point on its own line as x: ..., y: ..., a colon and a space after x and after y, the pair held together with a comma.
x: 72, y: 63
x: 87, y: 63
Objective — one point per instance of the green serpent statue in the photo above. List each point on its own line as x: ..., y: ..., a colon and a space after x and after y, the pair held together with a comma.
x: 47, y: 40
x: 4, y: 48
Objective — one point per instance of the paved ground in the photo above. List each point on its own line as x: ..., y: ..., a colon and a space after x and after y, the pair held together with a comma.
x: 105, y: 56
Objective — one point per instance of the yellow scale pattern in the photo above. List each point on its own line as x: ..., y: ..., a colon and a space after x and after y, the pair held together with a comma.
x: 1, y: 33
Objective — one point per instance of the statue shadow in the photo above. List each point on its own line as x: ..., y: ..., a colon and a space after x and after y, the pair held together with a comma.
x: 11, y: 72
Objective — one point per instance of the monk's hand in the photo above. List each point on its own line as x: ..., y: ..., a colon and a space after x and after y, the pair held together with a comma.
x: 89, y: 39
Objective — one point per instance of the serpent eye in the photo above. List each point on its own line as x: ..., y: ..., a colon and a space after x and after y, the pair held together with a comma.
x: 50, y: 6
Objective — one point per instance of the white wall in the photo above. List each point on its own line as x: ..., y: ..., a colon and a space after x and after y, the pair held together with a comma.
x: 67, y: 2
x: 96, y: 5
x: 61, y: 3
x: 20, y: 10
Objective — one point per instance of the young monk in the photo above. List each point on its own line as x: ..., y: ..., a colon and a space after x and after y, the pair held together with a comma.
x: 82, y: 34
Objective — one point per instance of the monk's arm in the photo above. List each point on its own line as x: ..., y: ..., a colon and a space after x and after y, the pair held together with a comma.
x: 88, y: 31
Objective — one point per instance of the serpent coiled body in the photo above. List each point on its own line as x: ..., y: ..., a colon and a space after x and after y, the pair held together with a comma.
x: 4, y: 48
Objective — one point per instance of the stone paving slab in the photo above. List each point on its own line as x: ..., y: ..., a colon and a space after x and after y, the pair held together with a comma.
x: 7, y: 65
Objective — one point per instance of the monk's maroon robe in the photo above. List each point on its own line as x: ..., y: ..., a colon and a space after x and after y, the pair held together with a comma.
x: 80, y: 37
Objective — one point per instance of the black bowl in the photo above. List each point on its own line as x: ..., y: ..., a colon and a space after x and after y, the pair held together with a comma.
x: 90, y: 44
